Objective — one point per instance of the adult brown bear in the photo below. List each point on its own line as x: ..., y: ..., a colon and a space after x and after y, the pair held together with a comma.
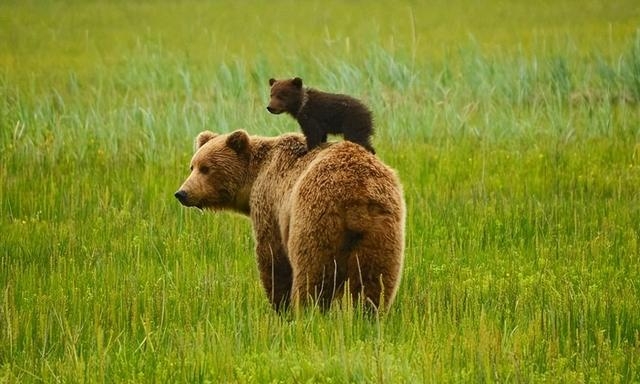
x: 323, y: 220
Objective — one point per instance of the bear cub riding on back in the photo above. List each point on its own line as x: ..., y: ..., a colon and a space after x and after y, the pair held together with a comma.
x: 321, y: 113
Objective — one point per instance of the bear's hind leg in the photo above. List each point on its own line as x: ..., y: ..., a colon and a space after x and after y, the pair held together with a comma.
x: 319, y: 267
x: 359, y: 135
x: 319, y: 287
x: 373, y: 273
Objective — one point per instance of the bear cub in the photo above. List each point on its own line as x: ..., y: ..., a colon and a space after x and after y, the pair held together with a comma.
x: 321, y: 113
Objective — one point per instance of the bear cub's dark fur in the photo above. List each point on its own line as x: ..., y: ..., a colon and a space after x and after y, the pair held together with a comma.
x: 321, y: 113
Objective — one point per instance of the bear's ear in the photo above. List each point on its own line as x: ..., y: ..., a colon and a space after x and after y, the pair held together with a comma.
x: 238, y: 141
x: 297, y: 82
x: 203, y: 137
x: 271, y: 81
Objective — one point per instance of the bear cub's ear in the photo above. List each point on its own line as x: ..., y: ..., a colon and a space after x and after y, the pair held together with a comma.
x: 203, y: 138
x: 271, y: 81
x: 297, y: 82
x: 238, y: 141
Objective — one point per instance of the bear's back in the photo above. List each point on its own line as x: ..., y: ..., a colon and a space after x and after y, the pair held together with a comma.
x: 337, y: 175
x: 346, y: 173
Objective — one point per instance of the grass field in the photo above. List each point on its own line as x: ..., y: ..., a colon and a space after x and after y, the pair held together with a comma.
x: 514, y: 128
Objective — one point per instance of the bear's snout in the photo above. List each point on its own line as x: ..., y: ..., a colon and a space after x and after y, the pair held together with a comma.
x: 275, y: 111
x: 181, y: 195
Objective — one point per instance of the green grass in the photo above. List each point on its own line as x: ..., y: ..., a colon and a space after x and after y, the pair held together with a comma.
x: 514, y: 130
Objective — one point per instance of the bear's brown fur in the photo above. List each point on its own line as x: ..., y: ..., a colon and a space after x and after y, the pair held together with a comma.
x: 321, y: 113
x: 323, y: 220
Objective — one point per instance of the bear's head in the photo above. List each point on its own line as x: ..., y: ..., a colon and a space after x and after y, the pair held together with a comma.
x: 286, y: 96
x: 219, y: 170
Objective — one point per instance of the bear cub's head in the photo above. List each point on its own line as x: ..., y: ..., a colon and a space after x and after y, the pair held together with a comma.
x: 286, y: 96
x: 218, y: 172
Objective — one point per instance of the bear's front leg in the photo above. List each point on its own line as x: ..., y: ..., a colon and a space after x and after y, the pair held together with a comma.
x: 275, y: 274
x: 313, y: 132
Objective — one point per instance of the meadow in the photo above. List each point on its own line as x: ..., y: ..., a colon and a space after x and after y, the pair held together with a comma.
x: 515, y: 129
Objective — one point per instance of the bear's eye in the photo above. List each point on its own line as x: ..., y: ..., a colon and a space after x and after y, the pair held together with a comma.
x: 204, y: 169
x: 191, y: 168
